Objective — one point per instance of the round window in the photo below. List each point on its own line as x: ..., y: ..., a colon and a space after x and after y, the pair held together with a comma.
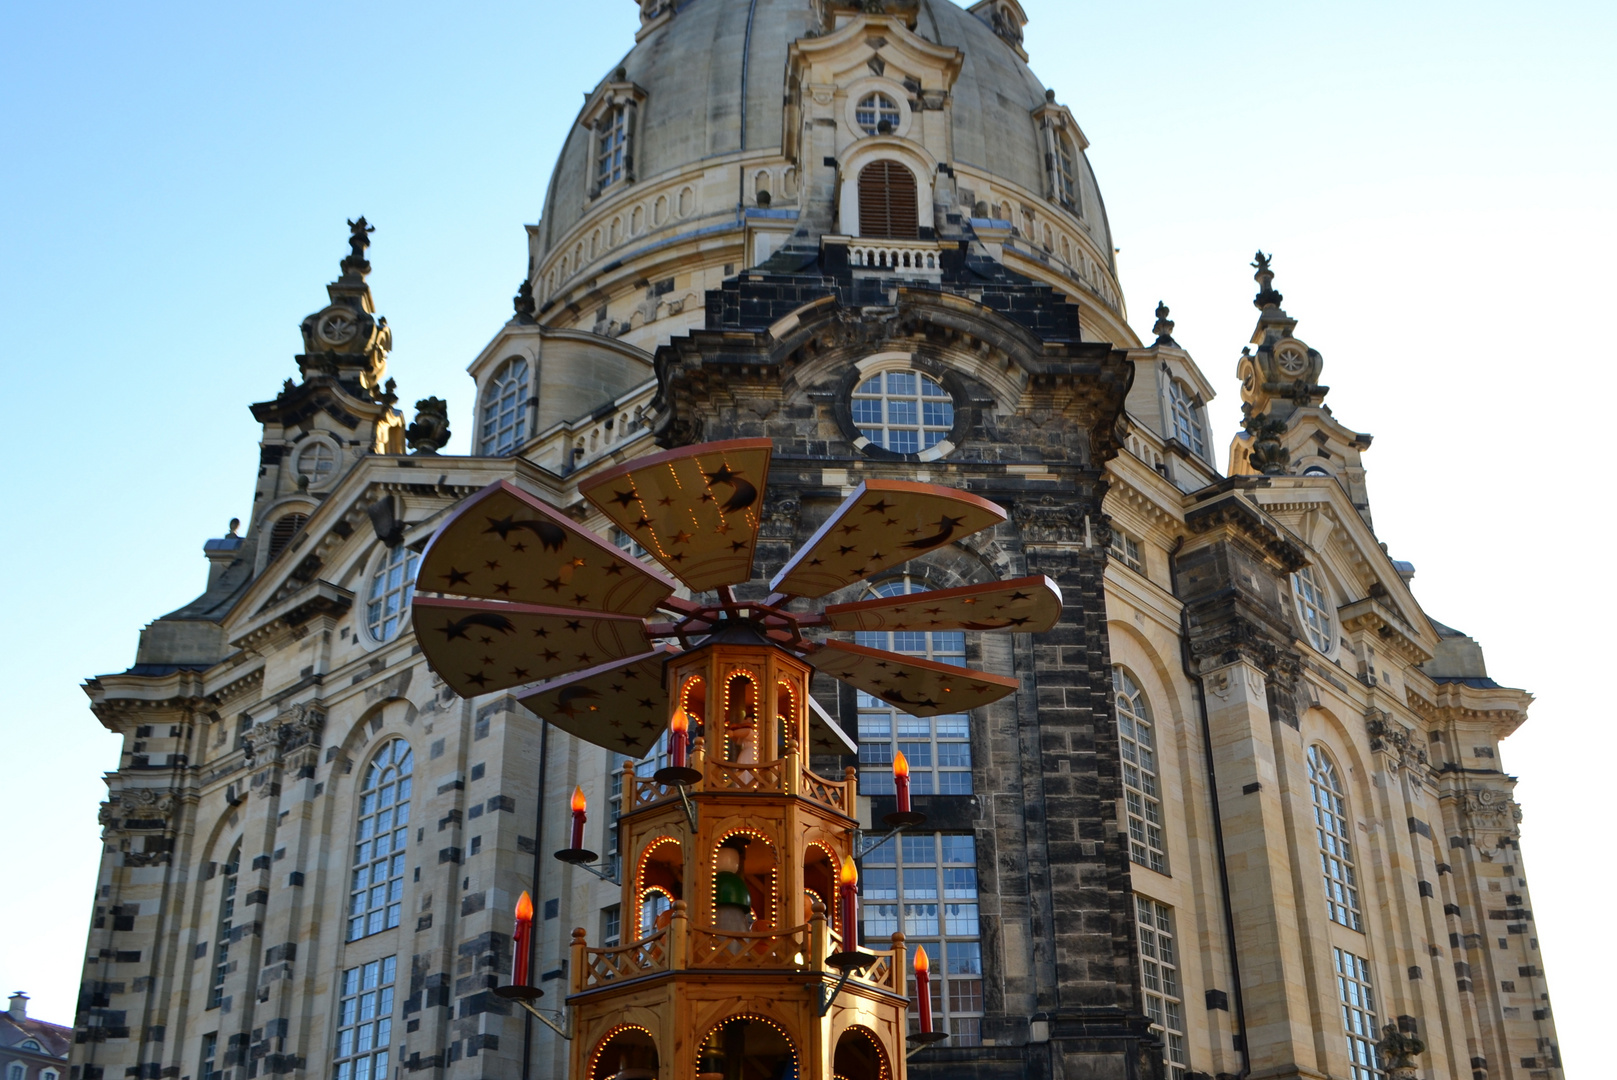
x: 875, y: 110
x: 903, y: 411
x: 317, y: 462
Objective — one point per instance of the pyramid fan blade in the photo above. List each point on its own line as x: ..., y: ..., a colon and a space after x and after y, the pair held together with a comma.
x: 826, y: 735
x: 696, y: 509
x: 506, y: 544
x: 883, y: 523
x: 1029, y: 605
x: 918, y: 687
x: 622, y: 706
x: 479, y: 646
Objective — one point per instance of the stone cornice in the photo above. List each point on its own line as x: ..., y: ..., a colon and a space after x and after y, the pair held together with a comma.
x: 1394, y: 633
x: 116, y: 699
x: 1502, y: 708
x: 283, y: 619
x: 1227, y: 509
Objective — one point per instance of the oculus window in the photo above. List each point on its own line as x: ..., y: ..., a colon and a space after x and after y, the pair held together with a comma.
x: 875, y: 110
x: 1314, y: 608
x: 903, y: 411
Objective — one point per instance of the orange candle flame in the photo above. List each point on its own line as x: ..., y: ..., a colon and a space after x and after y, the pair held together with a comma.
x: 681, y: 723
x: 524, y: 907
x: 922, y: 964
x: 578, y: 800
x: 901, y: 764
x: 849, y: 874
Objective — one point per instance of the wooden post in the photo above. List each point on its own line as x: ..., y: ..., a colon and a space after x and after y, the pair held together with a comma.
x: 679, y: 936
x: 579, y: 959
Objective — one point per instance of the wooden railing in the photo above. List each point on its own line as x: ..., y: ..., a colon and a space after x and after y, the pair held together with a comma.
x: 597, y: 967
x: 711, y: 948
x: 838, y: 795
x: 724, y: 776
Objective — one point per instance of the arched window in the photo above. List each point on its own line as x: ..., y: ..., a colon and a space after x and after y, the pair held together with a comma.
x: 888, y: 204
x: 1135, y: 733
x: 285, y: 528
x: 611, y: 147
x: 874, y: 111
x: 376, y: 891
x: 1314, y: 608
x: 1187, y: 418
x: 49, y: 1074
x: 505, y: 409
x: 392, y: 586
x: 938, y: 749
x: 1335, y: 841
x: 903, y: 411
x: 227, y: 916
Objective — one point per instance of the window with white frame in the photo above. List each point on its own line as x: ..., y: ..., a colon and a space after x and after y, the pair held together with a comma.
x: 612, y: 147
x: 937, y: 748
x: 1187, y: 418
x: 392, y: 587
x: 505, y: 409
x: 1332, y: 829
x: 1126, y: 549
x: 16, y: 1071
x: 877, y: 109
x: 1137, y: 739
x: 1357, y: 998
x: 376, y: 890
x: 628, y: 544
x: 49, y: 1074
x: 365, y: 1021
x: 227, y: 917
x: 903, y: 411
x: 611, y: 926
x: 933, y: 878
x: 1314, y: 608
x: 1159, y: 975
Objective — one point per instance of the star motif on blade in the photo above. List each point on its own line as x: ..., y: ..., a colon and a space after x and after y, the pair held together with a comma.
x: 623, y: 498
x: 495, y: 565
x: 504, y: 588
x: 738, y: 545
x: 1020, y: 596
x: 666, y: 500
x: 550, y: 655
x: 519, y: 673
x: 722, y: 475
x: 455, y: 577
x: 647, y: 703
x: 682, y: 538
x: 846, y: 550
x: 615, y: 570
x: 477, y: 678
x: 519, y: 546
x: 553, y: 584
x: 542, y: 632
x: 574, y: 624
x: 880, y: 507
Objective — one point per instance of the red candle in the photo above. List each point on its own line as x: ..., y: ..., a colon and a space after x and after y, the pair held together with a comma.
x: 578, y: 819
x: 849, y: 878
x: 678, y: 731
x: 519, y: 940
x: 901, y: 781
x: 923, y: 989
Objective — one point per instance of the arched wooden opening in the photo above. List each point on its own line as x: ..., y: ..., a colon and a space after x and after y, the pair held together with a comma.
x: 859, y: 1056
x: 820, y: 882
x: 888, y: 204
x: 659, y: 881
x: 741, y: 720
x: 747, y: 1048
x: 786, y: 716
x: 753, y: 865
x: 626, y: 1053
x: 693, y: 699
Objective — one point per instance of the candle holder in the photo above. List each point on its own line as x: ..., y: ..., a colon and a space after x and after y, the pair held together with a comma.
x: 903, y: 819
x: 576, y: 856
x: 922, y: 1039
x: 519, y: 993
x: 851, y: 960
x: 676, y: 776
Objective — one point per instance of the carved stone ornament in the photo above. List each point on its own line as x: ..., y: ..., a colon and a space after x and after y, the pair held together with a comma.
x: 1389, y: 737
x: 337, y: 327
x: 1398, y: 1051
x: 1267, y: 455
x: 1049, y: 521
x: 293, y: 729
x: 429, y: 432
x: 1492, y: 810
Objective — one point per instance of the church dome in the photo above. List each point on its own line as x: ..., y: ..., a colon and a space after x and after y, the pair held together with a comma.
x: 733, y: 129
x: 691, y: 68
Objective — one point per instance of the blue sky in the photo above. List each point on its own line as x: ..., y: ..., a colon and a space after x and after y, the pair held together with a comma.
x: 1435, y: 180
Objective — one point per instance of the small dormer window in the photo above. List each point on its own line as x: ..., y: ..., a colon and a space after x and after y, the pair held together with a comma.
x: 876, y: 110
x: 505, y: 409
x: 1067, y: 174
x: 284, y: 529
x: 612, y: 147
x: 1187, y: 418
